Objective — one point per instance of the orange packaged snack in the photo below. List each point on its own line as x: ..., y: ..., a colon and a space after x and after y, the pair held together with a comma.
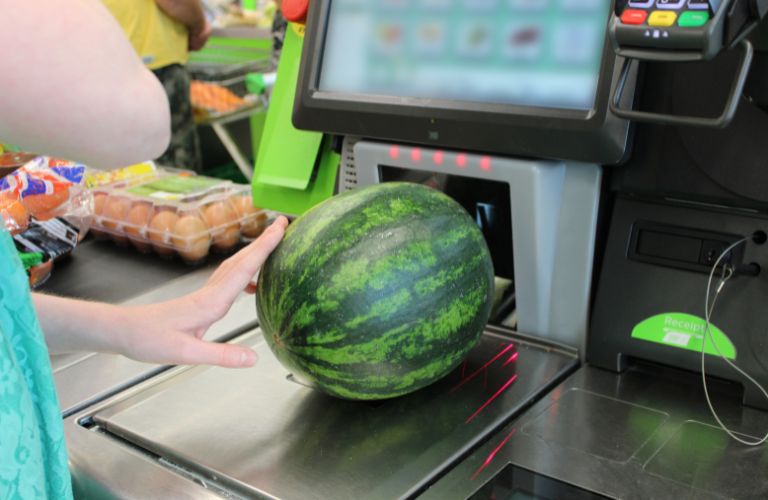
x: 13, y: 213
x: 44, y: 188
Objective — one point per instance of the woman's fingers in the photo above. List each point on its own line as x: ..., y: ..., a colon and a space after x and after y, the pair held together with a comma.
x: 245, y: 263
x: 193, y: 351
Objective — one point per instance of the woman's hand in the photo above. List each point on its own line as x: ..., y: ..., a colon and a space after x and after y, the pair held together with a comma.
x: 171, y: 332
x: 167, y: 332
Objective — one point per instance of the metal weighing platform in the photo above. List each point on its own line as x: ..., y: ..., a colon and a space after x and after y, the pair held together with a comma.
x: 646, y: 433
x: 198, y: 432
x: 518, y: 417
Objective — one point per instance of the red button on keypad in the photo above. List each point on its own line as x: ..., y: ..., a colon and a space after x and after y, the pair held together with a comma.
x: 633, y: 16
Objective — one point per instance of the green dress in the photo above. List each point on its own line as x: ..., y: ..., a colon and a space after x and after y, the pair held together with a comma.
x: 33, y: 456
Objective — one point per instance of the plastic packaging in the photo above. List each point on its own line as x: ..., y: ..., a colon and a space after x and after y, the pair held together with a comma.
x: 42, y: 243
x: 38, y: 270
x: 176, y: 213
x: 44, y: 188
x: 96, y: 178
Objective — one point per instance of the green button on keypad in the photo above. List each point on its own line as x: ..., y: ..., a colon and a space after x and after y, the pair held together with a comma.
x: 691, y: 19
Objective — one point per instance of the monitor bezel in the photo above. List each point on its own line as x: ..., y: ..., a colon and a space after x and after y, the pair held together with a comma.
x: 593, y: 135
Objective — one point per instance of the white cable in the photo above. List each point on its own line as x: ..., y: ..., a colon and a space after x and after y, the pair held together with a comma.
x: 708, y: 309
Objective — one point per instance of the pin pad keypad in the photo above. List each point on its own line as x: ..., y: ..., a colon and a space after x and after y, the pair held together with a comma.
x: 667, y: 13
x: 670, y: 25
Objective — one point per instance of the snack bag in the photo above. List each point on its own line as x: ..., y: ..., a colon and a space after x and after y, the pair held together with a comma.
x: 43, y: 243
x: 13, y: 213
x: 43, y: 188
x: 37, y: 269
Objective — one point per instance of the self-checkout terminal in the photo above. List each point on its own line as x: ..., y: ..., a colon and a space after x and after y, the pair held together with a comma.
x: 610, y: 171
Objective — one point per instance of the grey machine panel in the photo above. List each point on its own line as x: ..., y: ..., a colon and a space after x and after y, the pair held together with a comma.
x: 657, y: 263
x: 646, y: 433
x: 554, y: 208
x: 256, y: 432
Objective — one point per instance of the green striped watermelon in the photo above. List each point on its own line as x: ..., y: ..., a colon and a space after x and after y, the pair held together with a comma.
x: 377, y: 292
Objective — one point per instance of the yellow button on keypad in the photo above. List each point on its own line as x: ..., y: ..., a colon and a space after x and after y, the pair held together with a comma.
x: 662, y: 18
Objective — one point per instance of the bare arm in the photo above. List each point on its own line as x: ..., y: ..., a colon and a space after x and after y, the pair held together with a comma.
x: 187, y: 12
x: 72, y: 86
x: 167, y: 332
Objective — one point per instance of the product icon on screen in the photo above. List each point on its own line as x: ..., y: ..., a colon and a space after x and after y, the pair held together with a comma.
x: 389, y: 38
x: 524, y: 42
x: 576, y: 42
x: 431, y: 39
x: 476, y: 40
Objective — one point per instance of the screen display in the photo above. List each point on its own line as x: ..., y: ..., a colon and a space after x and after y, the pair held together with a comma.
x: 487, y: 202
x: 541, y: 53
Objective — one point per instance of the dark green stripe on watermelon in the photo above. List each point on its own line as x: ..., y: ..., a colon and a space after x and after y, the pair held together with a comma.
x: 377, y: 292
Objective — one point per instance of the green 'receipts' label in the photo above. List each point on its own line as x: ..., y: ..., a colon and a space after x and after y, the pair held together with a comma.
x: 684, y: 331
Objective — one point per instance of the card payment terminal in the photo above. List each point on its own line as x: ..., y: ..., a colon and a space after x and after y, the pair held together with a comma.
x: 681, y: 31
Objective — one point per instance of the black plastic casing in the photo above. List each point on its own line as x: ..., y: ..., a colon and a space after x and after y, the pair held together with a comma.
x: 594, y: 136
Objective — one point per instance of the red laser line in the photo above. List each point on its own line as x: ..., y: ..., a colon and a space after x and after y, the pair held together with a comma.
x: 489, y: 363
x: 492, y: 455
x: 511, y: 359
x: 492, y: 398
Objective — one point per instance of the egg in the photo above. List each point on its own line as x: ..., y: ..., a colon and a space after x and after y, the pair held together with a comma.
x: 252, y: 219
x: 99, y: 202
x: 136, y: 225
x: 115, y: 210
x: 160, y: 229
x: 191, y: 238
x: 222, y: 220
x: 99, y: 199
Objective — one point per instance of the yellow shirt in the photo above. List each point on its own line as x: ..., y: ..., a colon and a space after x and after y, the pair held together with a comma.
x: 158, y: 39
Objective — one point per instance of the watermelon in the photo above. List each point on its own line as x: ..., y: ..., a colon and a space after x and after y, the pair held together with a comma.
x: 376, y: 292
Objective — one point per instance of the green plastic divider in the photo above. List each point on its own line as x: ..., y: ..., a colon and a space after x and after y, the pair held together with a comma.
x: 295, y: 169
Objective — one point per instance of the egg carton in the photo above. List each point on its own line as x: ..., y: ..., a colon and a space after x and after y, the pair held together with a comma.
x: 177, y: 214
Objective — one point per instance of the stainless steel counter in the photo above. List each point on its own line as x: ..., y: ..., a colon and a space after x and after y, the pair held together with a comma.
x: 101, y: 270
x: 643, y: 434
x: 193, y: 432
x: 105, y: 272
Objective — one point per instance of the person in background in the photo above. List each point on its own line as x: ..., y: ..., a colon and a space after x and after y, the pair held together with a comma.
x: 62, y: 61
x: 163, y: 32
